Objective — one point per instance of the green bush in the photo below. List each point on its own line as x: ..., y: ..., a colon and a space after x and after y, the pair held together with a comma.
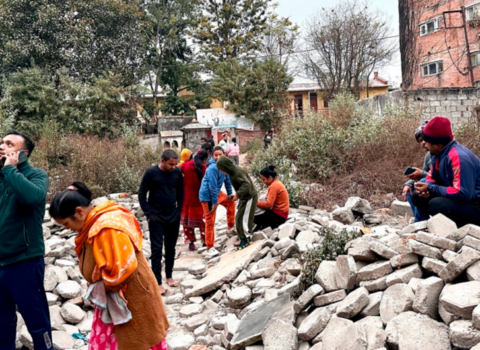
x: 332, y: 245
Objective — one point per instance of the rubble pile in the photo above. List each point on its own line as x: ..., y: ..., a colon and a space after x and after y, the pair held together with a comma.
x: 398, y: 286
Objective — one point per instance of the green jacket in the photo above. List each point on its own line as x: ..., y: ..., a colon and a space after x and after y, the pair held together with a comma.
x: 241, y: 182
x: 23, y: 193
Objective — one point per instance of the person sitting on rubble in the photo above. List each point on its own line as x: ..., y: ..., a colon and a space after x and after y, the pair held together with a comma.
x: 276, y: 206
x: 452, y: 187
x: 418, y: 175
x: 129, y: 312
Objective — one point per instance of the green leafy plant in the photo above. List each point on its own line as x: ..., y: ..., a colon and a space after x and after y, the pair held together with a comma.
x: 332, y: 245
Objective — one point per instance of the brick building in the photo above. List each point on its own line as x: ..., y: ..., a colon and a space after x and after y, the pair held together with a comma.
x: 433, y: 43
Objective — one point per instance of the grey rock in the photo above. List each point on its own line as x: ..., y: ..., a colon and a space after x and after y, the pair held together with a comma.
x: 375, y: 271
x: 375, y: 285
x: 415, y: 227
x: 375, y: 321
x: 353, y: 303
x: 25, y: 338
x: 463, y: 334
x: 201, y: 331
x: 476, y: 317
x: 259, y: 236
x: 449, y: 255
x: 343, y: 215
x: 362, y: 253
x: 69, y: 289
x: 454, y: 268
x: 436, y: 241
x: 382, y: 249
x: 325, y: 276
x: 287, y: 231
x: 401, y: 208
x: 460, y: 234
x: 460, y: 299
x: 414, y: 283
x: 433, y: 265
x: 424, y: 249
x: 396, y: 300
x: 175, y: 299
x: 62, y: 340
x: 293, y: 267
x: 196, y: 321
x: 72, y: 313
x: 427, y: 296
x: 239, y: 297
x: 346, y: 272
x: 330, y: 298
x: 341, y: 333
x: 180, y: 340
x: 307, y: 297
x: 376, y: 337
x: 51, y: 279
x: 52, y: 298
x: 441, y: 225
x: 404, y: 275
x: 280, y: 335
x: 251, y: 326
x: 471, y: 242
x: 358, y: 205
x: 403, y: 260
x: 411, y: 331
x: 191, y: 310
x: 262, y: 272
x: 197, y: 269
x: 308, y: 237
x: 473, y: 272
x: 314, y: 324
x: 373, y: 306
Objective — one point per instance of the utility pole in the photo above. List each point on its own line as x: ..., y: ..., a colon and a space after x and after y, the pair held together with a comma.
x: 467, y: 45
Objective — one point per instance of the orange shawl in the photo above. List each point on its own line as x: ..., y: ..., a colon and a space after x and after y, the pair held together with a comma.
x: 115, y: 236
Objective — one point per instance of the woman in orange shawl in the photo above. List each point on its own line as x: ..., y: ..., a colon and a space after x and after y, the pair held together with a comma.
x: 109, y: 247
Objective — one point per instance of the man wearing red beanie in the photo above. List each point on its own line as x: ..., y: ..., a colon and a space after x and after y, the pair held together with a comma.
x: 453, y: 182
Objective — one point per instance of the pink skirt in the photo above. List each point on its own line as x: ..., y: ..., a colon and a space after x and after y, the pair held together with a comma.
x: 103, y: 336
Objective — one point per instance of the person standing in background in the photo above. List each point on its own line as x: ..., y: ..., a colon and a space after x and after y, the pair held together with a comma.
x: 233, y: 151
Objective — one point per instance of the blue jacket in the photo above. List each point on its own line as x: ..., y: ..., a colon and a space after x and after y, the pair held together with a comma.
x: 212, y: 183
x: 455, y: 173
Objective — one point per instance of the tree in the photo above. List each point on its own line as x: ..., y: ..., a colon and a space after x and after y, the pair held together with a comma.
x: 230, y: 28
x: 88, y: 37
x: 254, y: 89
x: 344, y: 43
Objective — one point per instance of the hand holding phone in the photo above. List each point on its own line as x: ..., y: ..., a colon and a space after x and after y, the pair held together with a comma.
x: 409, y: 171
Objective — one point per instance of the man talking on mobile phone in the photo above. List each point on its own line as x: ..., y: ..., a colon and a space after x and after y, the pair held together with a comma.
x: 23, y: 192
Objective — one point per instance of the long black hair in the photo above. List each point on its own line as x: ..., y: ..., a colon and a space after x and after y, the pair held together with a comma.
x: 269, y: 171
x: 64, y: 204
x: 198, y: 160
x: 234, y: 140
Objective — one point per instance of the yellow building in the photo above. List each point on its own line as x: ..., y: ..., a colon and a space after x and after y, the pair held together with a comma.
x: 305, y: 94
x: 376, y: 86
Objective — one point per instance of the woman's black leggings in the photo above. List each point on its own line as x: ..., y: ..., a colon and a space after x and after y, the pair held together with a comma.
x: 267, y: 219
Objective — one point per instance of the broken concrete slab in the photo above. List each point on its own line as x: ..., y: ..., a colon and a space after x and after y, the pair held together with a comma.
x: 314, y: 324
x: 433, y: 265
x: 441, y: 225
x: 375, y: 271
x: 412, y: 331
x: 180, y: 340
x: 424, y: 249
x: 436, y: 241
x: 287, y: 230
x: 404, y: 260
x: 373, y: 306
x: 382, y: 249
x: 476, y: 317
x: 404, y: 275
x: 460, y: 299
x: 462, y: 232
x: 427, y: 296
x: 463, y: 334
x: 415, y: 227
x: 280, y: 335
x: 307, y: 297
x: 396, y: 300
x: 473, y: 272
x: 346, y: 272
x: 229, y: 266
x: 343, y: 215
x: 353, y: 303
x: 358, y: 205
x: 330, y: 298
x: 375, y: 285
x: 454, y: 268
x: 341, y: 333
x: 251, y: 326
x: 376, y: 337
x: 471, y: 242
x: 401, y: 208
x: 325, y: 276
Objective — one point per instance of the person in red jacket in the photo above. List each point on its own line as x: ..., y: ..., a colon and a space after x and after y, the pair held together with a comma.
x: 452, y: 187
x: 192, y: 212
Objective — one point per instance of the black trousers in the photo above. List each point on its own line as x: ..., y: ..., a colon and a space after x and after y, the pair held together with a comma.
x: 462, y: 213
x: 163, y: 233
x: 267, y: 219
x: 21, y: 285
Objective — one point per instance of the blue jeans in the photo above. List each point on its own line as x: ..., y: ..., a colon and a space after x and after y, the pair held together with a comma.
x: 21, y: 286
x: 416, y: 213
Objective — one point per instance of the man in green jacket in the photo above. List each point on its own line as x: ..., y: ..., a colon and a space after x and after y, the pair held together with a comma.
x: 23, y: 192
x: 247, y: 195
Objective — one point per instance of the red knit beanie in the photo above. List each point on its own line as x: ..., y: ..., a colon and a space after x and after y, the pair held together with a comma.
x: 438, y: 131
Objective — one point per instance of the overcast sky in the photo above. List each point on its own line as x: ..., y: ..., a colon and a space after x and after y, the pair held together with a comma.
x: 300, y: 10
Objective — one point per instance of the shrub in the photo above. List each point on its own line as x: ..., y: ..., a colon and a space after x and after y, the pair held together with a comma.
x: 332, y: 245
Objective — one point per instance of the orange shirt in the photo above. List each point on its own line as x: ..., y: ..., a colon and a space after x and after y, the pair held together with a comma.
x: 277, y: 199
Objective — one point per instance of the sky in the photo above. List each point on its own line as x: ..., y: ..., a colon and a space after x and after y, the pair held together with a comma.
x: 300, y: 10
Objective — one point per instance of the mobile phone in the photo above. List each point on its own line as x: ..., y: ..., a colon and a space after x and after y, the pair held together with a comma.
x: 409, y: 171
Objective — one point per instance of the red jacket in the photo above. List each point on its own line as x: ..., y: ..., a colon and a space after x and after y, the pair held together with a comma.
x: 191, y: 183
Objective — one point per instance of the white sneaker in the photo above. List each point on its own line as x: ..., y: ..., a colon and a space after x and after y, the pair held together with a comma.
x: 212, y: 253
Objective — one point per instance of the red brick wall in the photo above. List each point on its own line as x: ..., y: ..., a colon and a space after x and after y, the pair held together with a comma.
x: 446, y: 45
x: 244, y: 137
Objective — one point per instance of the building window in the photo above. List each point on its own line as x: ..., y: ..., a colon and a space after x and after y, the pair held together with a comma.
x: 298, y: 102
x: 432, y: 68
x: 472, y: 12
x: 430, y: 27
x: 475, y: 56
